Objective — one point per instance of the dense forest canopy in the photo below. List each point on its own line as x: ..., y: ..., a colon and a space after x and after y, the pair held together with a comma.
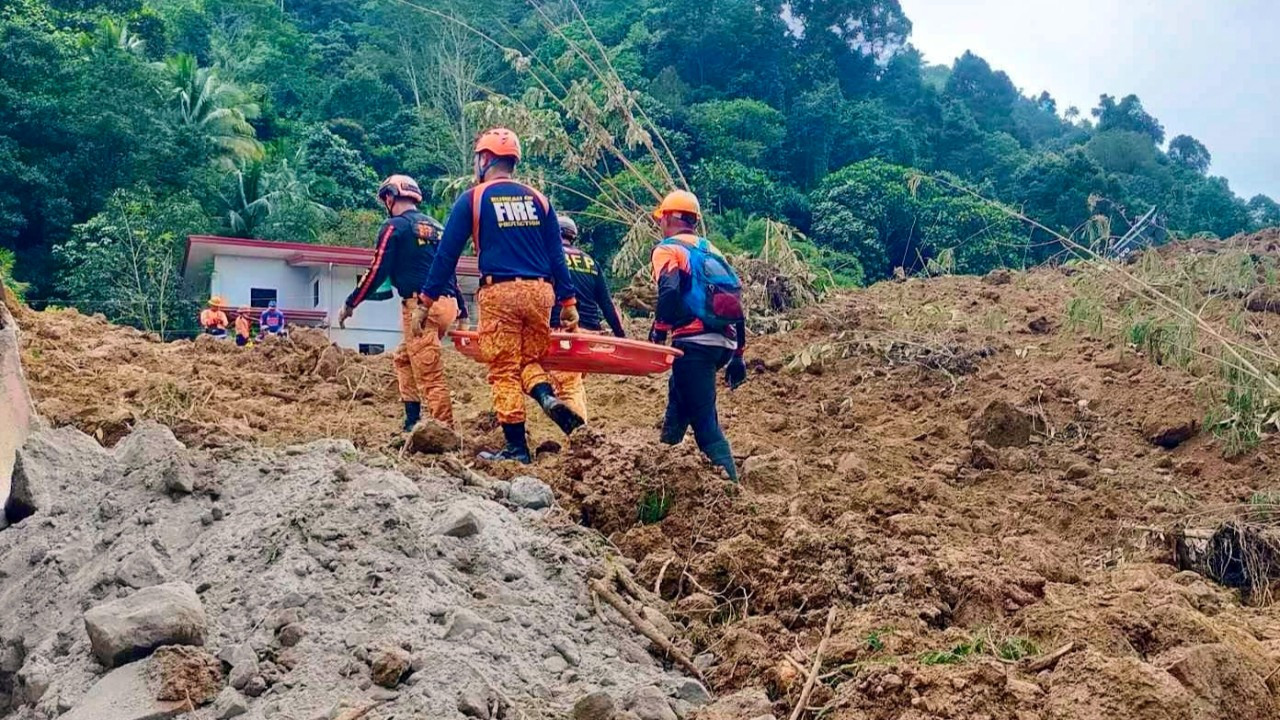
x: 126, y: 124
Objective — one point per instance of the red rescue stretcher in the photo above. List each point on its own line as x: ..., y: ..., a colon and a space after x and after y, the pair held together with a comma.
x: 584, y: 353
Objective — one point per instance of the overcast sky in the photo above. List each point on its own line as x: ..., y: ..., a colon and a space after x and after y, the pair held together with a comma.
x: 1205, y: 68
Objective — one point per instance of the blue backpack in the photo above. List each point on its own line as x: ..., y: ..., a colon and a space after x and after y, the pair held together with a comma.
x: 715, y: 292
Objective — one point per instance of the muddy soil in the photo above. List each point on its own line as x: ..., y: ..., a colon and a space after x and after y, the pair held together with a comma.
x: 972, y: 482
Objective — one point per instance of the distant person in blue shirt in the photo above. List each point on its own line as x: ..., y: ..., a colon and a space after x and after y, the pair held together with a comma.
x: 271, y: 322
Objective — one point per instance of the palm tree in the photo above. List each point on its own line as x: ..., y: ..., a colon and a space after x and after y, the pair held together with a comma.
x: 111, y: 36
x: 217, y: 109
x: 260, y: 192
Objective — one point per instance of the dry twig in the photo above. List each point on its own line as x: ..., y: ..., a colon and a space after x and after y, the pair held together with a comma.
x: 817, y: 665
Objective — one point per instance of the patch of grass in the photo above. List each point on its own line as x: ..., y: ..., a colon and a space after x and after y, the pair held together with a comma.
x: 1085, y: 313
x: 875, y: 639
x: 955, y: 655
x: 995, y: 320
x: 654, y: 506
x: 1264, y: 506
x: 1015, y: 648
x: 1243, y: 412
x: 1009, y: 647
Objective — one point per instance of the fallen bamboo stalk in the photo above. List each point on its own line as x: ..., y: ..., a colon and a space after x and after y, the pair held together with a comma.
x: 600, y: 588
x: 1047, y: 661
x: 817, y: 666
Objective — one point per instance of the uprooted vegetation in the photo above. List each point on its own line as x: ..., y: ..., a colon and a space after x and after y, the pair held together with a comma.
x: 985, y: 485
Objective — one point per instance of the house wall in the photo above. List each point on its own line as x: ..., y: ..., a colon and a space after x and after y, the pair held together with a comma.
x: 375, y: 323
x: 233, y: 277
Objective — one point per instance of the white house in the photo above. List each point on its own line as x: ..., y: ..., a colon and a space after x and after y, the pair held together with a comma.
x: 308, y: 282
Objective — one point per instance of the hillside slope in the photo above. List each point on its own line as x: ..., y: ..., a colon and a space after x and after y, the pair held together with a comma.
x: 971, y: 483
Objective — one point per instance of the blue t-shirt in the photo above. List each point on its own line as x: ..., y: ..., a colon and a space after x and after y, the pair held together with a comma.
x: 271, y: 320
x: 519, y: 238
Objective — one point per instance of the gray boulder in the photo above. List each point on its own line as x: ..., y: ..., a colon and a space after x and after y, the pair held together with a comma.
x: 153, y: 457
x: 531, y: 493
x: 650, y: 703
x: 141, y: 569
x: 131, y: 627
x: 229, y: 704
x: 244, y: 665
x: 50, y: 461
x: 124, y: 694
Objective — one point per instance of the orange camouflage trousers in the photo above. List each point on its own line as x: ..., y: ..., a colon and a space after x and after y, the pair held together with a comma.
x: 571, y: 387
x: 419, y: 367
x: 515, y: 332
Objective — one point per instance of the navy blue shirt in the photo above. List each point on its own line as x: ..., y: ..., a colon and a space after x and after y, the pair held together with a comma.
x: 519, y: 237
x: 595, y: 306
x: 405, y: 251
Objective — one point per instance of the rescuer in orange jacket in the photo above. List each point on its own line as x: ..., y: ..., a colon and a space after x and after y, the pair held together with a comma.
x: 523, y: 275
x: 700, y: 307
x: 407, y: 244
x: 212, y: 319
x: 244, y: 327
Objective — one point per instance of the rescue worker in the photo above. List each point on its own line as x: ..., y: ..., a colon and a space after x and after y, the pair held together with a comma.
x: 243, y: 327
x: 212, y: 319
x: 595, y: 307
x: 407, y: 245
x: 271, y: 321
x: 691, y: 393
x: 523, y: 274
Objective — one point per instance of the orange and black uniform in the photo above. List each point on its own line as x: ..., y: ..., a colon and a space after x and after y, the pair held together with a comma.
x: 523, y: 275
x: 407, y: 246
x: 243, y: 329
x: 595, y: 308
x: 214, y: 322
x: 691, y: 390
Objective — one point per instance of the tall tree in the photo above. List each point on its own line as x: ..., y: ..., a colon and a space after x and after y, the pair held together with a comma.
x: 1190, y: 153
x: 1127, y: 115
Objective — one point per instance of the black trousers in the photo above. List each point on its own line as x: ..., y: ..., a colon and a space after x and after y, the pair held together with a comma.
x: 691, y: 402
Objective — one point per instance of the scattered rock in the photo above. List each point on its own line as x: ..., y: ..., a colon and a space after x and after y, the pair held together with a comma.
x: 1040, y: 325
x: 291, y: 634
x: 1077, y: 471
x: 466, y: 623
x: 244, y: 666
x: 693, y: 692
x: 748, y: 703
x: 531, y: 493
x: 179, y: 478
x: 229, y: 704
x: 389, y: 665
x: 1169, y: 430
x: 148, y: 454
x: 462, y: 524
x: 474, y: 703
x: 129, y: 628
x: 598, y: 705
x: 184, y: 673
x: 555, y: 664
x: 257, y: 685
x: 1002, y: 425
x: 985, y: 457
x: 431, y: 437
x: 568, y: 650
x: 141, y: 569
x: 777, y: 472
x: 650, y: 703
x: 659, y: 621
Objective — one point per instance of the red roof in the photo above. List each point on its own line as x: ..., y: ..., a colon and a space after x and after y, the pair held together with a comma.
x: 201, y: 248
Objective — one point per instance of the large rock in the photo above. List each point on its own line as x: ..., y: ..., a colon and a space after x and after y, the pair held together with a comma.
x: 777, y: 472
x: 531, y: 493
x: 153, y: 457
x: 126, y: 693
x: 51, y: 461
x: 131, y: 627
x: 650, y: 703
x: 1002, y: 425
x: 431, y: 437
x: 16, y: 413
x: 389, y: 666
x: 229, y: 704
x: 750, y: 703
x: 244, y: 666
x: 141, y: 569
x: 596, y: 706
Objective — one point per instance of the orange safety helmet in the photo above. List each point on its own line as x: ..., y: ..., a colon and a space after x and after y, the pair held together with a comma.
x: 499, y: 141
x: 679, y: 201
x: 400, y: 186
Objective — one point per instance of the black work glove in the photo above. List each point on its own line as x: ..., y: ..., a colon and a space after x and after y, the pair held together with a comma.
x: 735, y: 373
x: 657, y: 337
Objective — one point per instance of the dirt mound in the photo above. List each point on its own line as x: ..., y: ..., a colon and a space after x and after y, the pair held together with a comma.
x: 972, y: 482
x: 328, y: 579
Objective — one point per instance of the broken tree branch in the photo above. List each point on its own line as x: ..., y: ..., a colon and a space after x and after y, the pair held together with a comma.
x: 602, y: 589
x: 815, y: 668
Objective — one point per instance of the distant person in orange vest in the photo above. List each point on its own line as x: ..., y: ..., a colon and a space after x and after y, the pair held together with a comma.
x: 700, y: 307
x: 407, y: 245
x: 213, y: 321
x: 523, y: 274
x: 595, y: 307
x: 243, y: 327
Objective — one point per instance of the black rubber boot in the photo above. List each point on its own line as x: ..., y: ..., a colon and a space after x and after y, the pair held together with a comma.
x: 517, y: 446
x: 562, y: 415
x: 412, y: 414
x: 720, y: 454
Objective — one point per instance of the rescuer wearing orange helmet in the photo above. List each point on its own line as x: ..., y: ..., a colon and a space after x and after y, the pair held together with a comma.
x: 244, y: 327
x: 700, y: 307
x: 523, y: 274
x: 406, y: 247
x: 213, y: 319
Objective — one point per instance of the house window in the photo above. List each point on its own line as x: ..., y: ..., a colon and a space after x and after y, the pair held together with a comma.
x: 371, y: 349
x: 315, y: 294
x: 261, y: 297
